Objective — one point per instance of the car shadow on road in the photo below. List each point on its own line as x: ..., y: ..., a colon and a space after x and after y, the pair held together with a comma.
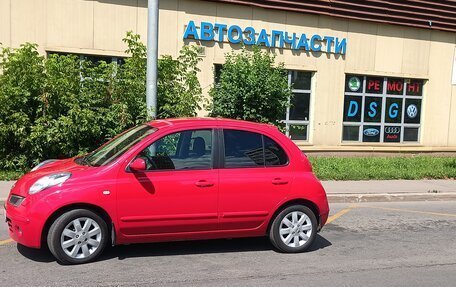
x: 38, y: 255
x: 177, y: 248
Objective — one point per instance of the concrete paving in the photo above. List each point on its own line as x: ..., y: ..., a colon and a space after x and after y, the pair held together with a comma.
x: 5, y: 187
x: 363, y: 191
x: 390, y: 190
x: 373, y: 244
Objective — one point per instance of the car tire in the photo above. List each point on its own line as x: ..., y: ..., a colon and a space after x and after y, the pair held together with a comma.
x: 77, y: 236
x: 288, y: 234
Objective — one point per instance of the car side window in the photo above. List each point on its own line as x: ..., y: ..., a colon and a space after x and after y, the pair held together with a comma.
x: 274, y: 155
x: 190, y: 149
x: 243, y: 149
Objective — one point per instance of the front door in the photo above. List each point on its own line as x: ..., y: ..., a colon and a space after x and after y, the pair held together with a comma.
x: 178, y: 191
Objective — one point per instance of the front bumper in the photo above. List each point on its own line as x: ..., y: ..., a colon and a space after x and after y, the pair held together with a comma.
x: 21, y: 229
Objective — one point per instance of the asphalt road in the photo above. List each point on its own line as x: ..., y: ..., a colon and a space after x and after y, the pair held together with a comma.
x: 375, y: 244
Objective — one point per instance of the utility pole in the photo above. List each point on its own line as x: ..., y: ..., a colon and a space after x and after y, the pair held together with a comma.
x: 152, y: 58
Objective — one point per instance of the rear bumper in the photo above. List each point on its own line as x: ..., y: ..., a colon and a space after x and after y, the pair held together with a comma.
x: 21, y: 229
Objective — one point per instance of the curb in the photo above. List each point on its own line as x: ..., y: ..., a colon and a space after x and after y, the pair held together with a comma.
x: 390, y: 197
x: 380, y: 197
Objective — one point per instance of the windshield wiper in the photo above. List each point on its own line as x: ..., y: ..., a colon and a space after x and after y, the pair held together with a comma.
x: 83, y: 160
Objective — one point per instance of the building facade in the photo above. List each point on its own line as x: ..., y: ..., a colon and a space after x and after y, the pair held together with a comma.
x: 366, y: 75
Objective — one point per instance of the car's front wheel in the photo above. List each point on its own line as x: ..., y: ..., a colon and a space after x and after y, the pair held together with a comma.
x: 77, y: 236
x: 293, y: 229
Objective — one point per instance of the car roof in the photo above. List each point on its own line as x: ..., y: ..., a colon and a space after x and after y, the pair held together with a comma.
x: 206, y: 121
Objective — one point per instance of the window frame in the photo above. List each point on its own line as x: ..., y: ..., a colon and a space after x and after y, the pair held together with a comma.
x: 221, y: 149
x: 305, y: 123
x: 382, y: 123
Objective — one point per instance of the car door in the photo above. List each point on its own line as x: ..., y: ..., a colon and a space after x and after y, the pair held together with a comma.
x: 255, y: 177
x: 178, y: 190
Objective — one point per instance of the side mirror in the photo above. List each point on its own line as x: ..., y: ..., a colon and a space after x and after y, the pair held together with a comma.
x: 138, y: 164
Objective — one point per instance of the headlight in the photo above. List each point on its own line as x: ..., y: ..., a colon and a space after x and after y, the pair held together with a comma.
x: 48, y: 181
x: 43, y: 164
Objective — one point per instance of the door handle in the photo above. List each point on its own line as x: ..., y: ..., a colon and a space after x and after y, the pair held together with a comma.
x: 279, y: 181
x: 204, y: 183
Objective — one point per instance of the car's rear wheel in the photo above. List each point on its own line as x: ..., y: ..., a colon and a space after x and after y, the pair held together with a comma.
x: 293, y: 229
x: 77, y: 236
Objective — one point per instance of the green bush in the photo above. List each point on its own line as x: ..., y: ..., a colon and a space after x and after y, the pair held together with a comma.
x: 60, y: 107
x: 251, y: 88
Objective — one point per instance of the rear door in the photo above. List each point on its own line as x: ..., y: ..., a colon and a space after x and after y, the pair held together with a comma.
x: 254, y: 178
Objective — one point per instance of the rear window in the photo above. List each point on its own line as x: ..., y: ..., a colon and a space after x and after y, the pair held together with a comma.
x: 245, y: 149
x: 274, y: 154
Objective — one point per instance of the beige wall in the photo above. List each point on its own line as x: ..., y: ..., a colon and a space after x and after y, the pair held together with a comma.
x: 97, y: 27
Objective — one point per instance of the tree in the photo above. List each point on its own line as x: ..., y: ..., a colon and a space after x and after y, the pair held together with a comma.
x: 251, y: 88
x: 60, y: 106
x: 179, y: 92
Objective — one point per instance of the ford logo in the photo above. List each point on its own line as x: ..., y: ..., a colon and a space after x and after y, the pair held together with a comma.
x: 371, y: 132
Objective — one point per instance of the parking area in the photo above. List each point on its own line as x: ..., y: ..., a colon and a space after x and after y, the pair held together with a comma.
x: 375, y: 244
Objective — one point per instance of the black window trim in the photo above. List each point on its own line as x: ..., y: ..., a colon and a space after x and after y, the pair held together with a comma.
x: 221, y: 150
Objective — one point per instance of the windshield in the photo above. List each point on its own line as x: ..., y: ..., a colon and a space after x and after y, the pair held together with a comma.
x: 117, y: 146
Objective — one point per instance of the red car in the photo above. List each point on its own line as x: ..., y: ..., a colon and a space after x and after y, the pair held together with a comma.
x: 177, y: 179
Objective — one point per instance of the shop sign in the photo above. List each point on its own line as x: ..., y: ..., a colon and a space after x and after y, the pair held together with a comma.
x: 384, y: 108
x: 371, y: 134
x: 412, y: 111
x: 248, y: 36
x: 354, y: 84
x: 392, y: 134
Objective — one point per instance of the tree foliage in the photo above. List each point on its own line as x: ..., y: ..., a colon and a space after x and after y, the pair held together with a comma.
x: 251, y: 87
x: 60, y: 106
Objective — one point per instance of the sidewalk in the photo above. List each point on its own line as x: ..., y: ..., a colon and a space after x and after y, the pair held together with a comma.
x: 390, y: 190
x: 363, y: 191
x: 5, y: 187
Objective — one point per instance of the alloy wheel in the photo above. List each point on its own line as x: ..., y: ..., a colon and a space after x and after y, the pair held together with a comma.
x: 81, y: 238
x: 295, y: 229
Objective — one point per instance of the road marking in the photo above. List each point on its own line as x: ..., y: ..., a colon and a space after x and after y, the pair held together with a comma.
x: 411, y: 211
x: 340, y: 213
x: 6, y: 241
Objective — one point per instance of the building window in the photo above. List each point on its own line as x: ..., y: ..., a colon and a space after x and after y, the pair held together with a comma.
x: 217, y: 72
x: 297, y: 118
x: 93, y: 58
x: 382, y: 109
x: 94, y: 61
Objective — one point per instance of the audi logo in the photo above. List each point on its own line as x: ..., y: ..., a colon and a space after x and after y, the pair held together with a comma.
x: 392, y: 130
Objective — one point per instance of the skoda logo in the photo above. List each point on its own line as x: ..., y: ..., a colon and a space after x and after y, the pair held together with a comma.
x: 371, y: 132
x: 412, y: 111
x: 354, y: 84
x: 392, y: 130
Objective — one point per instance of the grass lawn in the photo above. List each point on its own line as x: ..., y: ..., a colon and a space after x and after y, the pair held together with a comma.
x: 366, y: 168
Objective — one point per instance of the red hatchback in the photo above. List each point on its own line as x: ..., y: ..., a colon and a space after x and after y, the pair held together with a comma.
x: 177, y: 179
